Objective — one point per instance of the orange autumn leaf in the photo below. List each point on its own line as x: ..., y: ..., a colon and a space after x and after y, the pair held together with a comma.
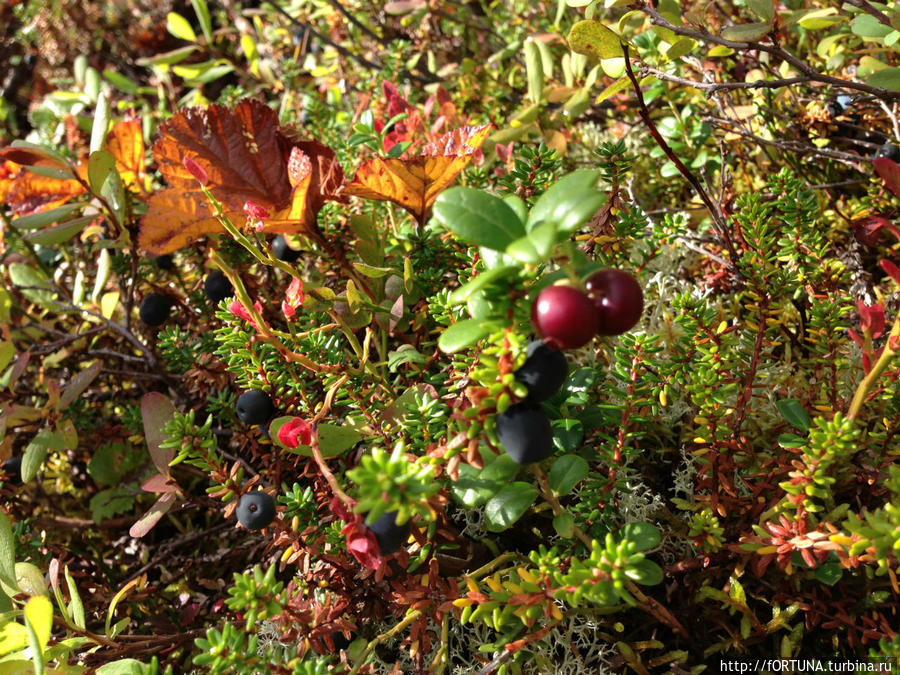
x: 125, y: 142
x: 415, y: 182
x: 246, y: 157
x: 29, y: 193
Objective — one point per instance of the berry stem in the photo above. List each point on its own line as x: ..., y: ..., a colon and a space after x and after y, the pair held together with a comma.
x: 547, y: 494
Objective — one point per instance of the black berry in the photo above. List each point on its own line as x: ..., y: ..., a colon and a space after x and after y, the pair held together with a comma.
x: 618, y: 298
x: 543, y: 372
x: 12, y: 470
x: 282, y: 251
x: 389, y: 535
x: 165, y: 261
x: 255, y: 407
x: 525, y: 433
x: 256, y: 510
x: 564, y: 316
x: 217, y: 287
x: 155, y: 309
x: 889, y: 151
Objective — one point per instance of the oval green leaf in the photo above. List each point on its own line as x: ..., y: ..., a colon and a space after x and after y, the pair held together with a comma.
x: 644, y: 535
x: 594, y: 40
x: 478, y: 218
x: 463, y: 334
x: 508, y: 505
x: 645, y: 572
x: 566, y: 473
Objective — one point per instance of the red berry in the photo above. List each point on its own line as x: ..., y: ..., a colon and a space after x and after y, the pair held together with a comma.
x: 565, y: 317
x: 618, y: 298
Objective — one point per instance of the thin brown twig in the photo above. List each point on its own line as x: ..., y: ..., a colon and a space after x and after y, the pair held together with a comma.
x: 772, y: 48
x: 689, y: 176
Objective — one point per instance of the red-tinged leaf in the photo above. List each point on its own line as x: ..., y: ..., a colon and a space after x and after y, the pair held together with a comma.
x: 246, y: 157
x: 78, y: 384
x: 415, y: 182
x: 156, y: 411
x: 889, y: 171
x: 159, y: 483
x: 125, y: 142
x: 147, y: 521
x: 891, y: 269
x: 867, y: 231
x: 315, y: 177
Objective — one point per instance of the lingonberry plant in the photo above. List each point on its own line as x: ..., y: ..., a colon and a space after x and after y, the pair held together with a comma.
x: 460, y: 338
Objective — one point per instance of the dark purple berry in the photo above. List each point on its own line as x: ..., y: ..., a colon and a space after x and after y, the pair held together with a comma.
x: 282, y: 251
x: 389, y: 535
x: 165, y: 261
x: 217, y: 287
x: 543, y: 372
x: 154, y: 309
x: 618, y: 298
x: 256, y: 510
x: 564, y: 316
x: 525, y: 433
x: 255, y: 407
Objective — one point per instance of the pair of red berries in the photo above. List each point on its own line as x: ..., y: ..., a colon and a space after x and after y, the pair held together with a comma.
x: 568, y: 318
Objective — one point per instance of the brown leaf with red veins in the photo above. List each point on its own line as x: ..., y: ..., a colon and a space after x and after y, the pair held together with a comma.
x: 415, y: 182
x: 245, y: 155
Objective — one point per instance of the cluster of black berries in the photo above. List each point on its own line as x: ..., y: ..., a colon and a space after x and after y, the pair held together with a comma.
x: 566, y: 318
x: 155, y: 307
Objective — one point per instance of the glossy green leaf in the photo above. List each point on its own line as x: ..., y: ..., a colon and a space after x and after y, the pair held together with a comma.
x: 508, y: 505
x: 464, y: 333
x: 794, y: 413
x: 523, y: 250
x: 645, y: 572
x: 564, y: 524
x: 829, y: 573
x: 553, y: 205
x: 594, y: 40
x: 167, y: 59
x: 566, y: 473
x: 567, y: 434
x: 471, y: 488
x: 478, y: 218
x: 644, y: 535
x: 122, y: 667
x: 484, y: 279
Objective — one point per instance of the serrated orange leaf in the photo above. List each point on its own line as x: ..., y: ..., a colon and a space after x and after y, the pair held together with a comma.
x: 193, y: 218
x: 415, y: 182
x: 246, y: 157
x: 125, y: 142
